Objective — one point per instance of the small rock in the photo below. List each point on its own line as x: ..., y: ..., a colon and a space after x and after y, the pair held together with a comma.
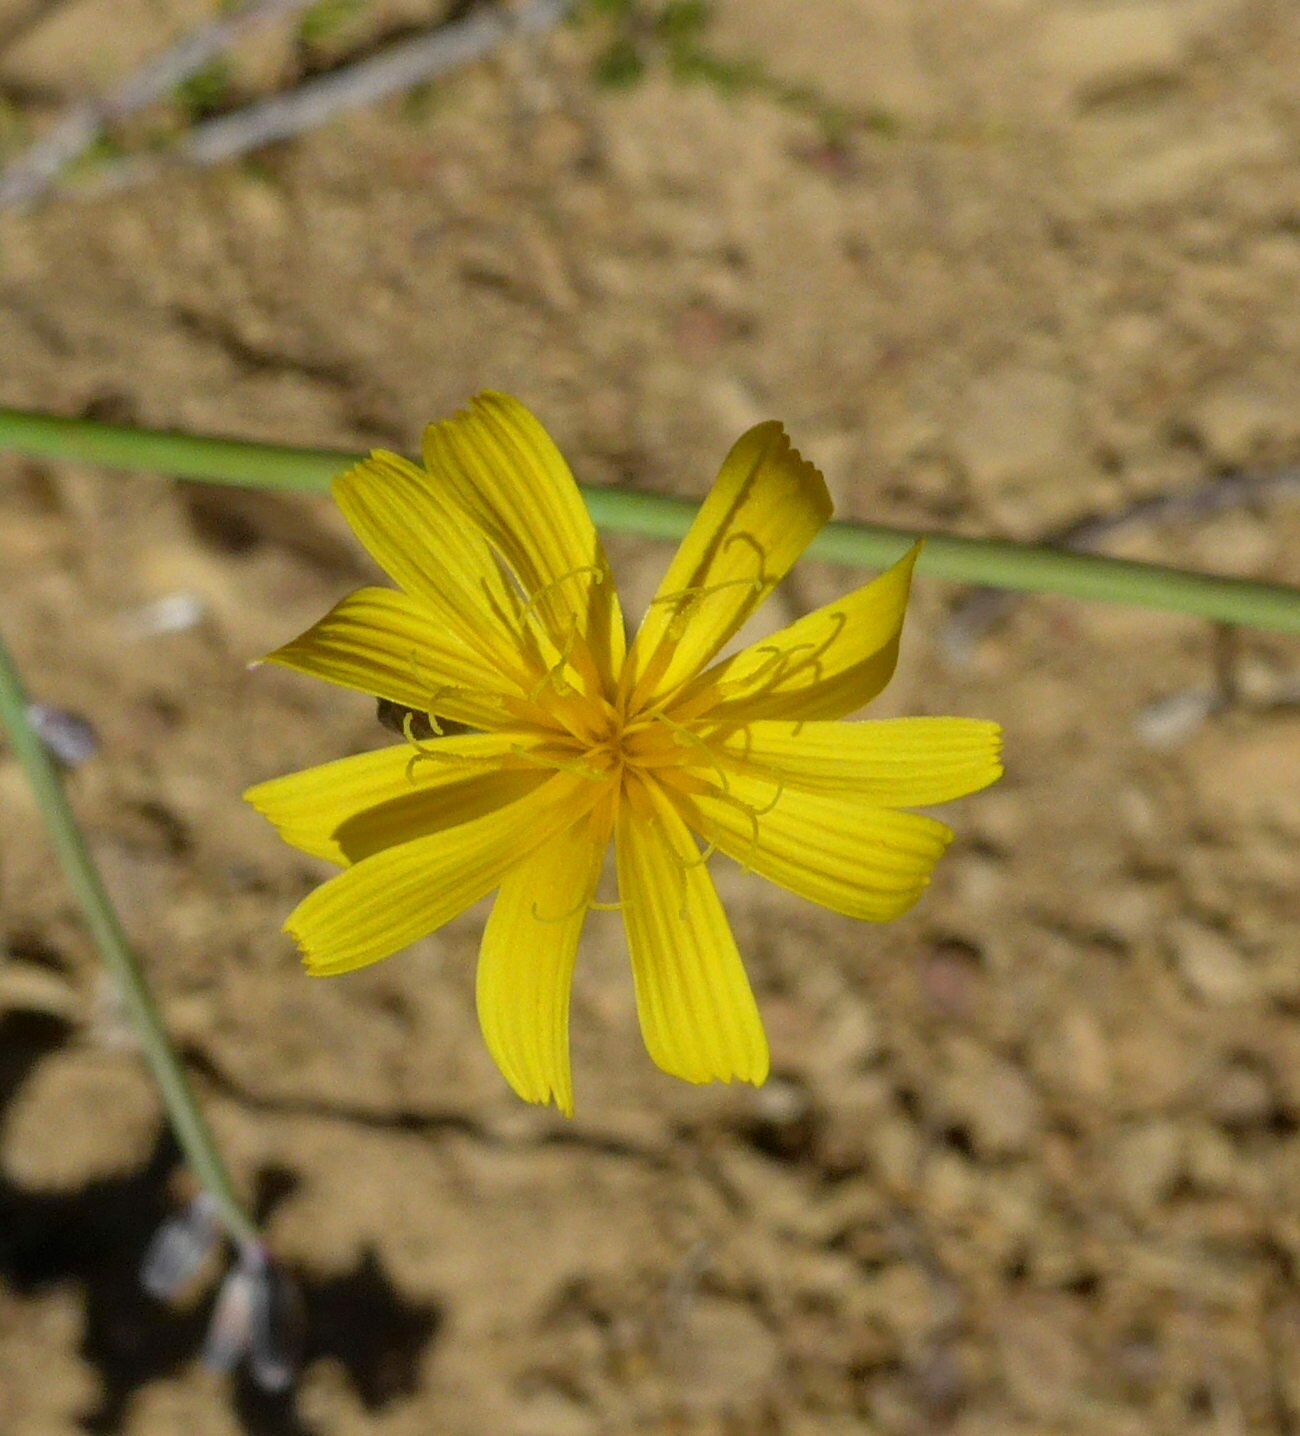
x: 1147, y: 1160
x: 1139, y: 168
x: 1239, y: 1095
x: 979, y: 883
x: 1099, y: 50
x: 26, y: 986
x: 784, y: 1123
x: 172, y: 613
x: 1212, y: 967
x: 78, y: 1118
x: 734, y: 402
x: 1139, y: 816
x: 1015, y: 427
x: 1214, y: 1164
x: 1168, y: 721
x: 729, y: 1356
x: 902, y: 1298
x: 999, y: 817
x: 994, y: 1098
x: 845, y: 50
x: 950, y: 980
x: 948, y: 1188
x: 894, y: 1148
x: 848, y: 1037
x: 1252, y: 776
x: 1074, y: 1055
x: 1233, y: 422
x: 555, y: 1413
x: 1043, y: 1362
x: 1123, y: 911
x: 179, y: 1248
x: 68, y: 736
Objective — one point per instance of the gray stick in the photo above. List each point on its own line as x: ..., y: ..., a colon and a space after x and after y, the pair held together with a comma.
x: 397, y: 69
x: 311, y: 104
x: 37, y: 171
x: 354, y: 86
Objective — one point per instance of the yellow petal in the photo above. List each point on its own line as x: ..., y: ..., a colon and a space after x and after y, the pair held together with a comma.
x: 403, y: 893
x: 526, y: 963
x: 825, y: 665
x: 697, y: 1012
x: 421, y: 537
x: 389, y: 645
x: 765, y: 506
x: 309, y: 808
x: 835, y: 850
x: 893, y: 762
x: 506, y: 472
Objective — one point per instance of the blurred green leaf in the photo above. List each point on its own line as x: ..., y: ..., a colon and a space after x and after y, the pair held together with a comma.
x: 206, y: 90
x: 683, y: 20
x: 327, y: 18
x: 104, y: 149
x: 619, y: 65
x: 14, y: 129
x: 732, y: 77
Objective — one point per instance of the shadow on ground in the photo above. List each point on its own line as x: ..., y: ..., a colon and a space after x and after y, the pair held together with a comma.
x: 96, y: 1236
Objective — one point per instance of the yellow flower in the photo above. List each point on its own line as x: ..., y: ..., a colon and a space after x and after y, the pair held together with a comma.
x: 506, y: 620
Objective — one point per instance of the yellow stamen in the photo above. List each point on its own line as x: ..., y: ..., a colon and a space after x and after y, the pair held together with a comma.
x: 578, y: 907
x: 554, y: 675
x: 695, y: 739
x: 561, y: 765
x: 408, y: 731
x: 591, y: 568
x: 702, y: 590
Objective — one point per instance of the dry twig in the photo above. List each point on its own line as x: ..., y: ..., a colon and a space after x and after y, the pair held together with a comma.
x: 309, y: 105
x: 394, y: 70
x: 36, y: 172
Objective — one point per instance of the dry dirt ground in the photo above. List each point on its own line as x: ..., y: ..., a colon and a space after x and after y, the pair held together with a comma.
x: 1030, y: 1162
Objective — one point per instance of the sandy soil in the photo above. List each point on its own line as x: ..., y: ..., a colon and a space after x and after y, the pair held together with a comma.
x: 1031, y: 1159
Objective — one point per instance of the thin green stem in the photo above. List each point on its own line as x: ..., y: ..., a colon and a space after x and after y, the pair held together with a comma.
x: 192, y: 1131
x: 998, y: 563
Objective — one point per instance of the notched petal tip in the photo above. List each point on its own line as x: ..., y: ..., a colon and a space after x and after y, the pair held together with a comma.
x: 375, y: 462
x: 314, y: 964
x: 754, y: 1069
x: 804, y: 475
x: 304, y: 955
x: 563, y: 1103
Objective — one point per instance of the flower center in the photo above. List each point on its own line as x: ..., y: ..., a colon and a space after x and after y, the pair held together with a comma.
x: 641, y: 742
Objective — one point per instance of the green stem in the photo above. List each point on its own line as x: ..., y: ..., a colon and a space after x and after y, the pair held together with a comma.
x: 998, y: 563
x: 192, y: 1132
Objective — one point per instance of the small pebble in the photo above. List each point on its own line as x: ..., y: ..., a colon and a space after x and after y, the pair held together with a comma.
x: 179, y: 1248
x: 258, y: 1314
x: 68, y: 736
x: 1168, y: 721
x: 228, y: 1331
x: 275, y: 1330
x: 173, y: 613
